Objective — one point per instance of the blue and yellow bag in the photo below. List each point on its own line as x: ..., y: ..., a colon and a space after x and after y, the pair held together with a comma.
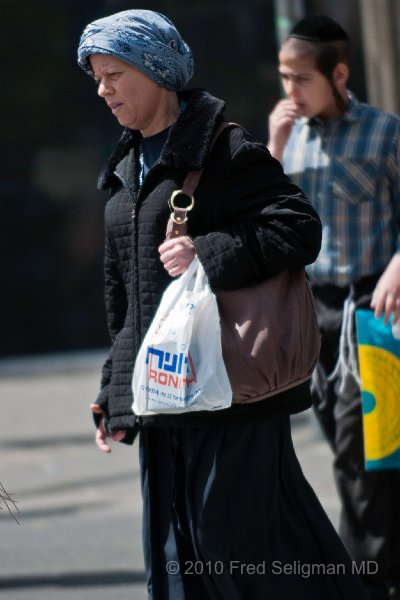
x: 379, y: 359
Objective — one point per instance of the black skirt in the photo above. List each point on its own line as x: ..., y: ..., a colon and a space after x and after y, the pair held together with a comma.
x: 229, y: 515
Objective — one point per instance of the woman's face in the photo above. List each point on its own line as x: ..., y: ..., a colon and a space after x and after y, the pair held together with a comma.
x: 133, y: 98
x: 306, y: 87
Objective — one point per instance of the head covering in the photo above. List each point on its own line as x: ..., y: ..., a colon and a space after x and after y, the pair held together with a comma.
x: 318, y: 28
x: 144, y: 39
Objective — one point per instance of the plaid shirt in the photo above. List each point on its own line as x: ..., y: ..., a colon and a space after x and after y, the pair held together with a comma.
x: 349, y: 168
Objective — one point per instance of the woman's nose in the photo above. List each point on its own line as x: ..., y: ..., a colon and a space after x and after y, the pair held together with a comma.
x: 103, y: 89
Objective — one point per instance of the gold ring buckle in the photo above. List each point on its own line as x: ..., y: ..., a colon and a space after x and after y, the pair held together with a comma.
x: 171, y: 201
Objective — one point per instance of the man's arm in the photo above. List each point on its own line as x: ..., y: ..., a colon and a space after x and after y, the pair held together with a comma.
x: 386, y: 296
x: 280, y: 124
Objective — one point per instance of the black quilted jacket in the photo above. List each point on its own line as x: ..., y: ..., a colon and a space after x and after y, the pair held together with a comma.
x: 249, y: 222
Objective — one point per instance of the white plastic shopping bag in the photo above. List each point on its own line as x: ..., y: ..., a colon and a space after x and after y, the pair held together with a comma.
x: 179, y: 367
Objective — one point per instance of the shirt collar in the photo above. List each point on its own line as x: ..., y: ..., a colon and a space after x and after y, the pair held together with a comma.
x: 353, y: 108
x: 352, y: 113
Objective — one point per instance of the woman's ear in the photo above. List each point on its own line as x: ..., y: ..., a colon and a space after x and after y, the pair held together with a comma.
x: 340, y: 74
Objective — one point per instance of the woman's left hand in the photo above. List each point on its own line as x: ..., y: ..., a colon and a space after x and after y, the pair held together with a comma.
x: 177, y: 254
x: 102, y: 435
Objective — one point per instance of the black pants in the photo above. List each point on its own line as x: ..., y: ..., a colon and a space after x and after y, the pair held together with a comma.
x: 370, y: 516
x: 228, y: 515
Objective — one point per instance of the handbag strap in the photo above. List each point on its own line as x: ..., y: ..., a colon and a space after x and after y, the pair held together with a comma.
x: 178, y: 219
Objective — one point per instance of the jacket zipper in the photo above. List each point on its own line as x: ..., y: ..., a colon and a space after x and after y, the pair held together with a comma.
x: 134, y: 199
x: 126, y: 187
x: 135, y: 290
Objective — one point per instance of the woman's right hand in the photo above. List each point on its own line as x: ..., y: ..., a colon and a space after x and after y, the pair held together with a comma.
x: 101, y: 434
x: 280, y: 124
x: 176, y: 254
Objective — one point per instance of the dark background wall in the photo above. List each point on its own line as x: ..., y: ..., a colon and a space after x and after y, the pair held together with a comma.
x: 55, y: 135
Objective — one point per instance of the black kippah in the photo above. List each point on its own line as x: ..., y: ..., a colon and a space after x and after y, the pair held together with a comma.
x: 318, y: 28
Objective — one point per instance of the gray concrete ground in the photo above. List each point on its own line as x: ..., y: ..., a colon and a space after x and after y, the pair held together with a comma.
x: 78, y: 536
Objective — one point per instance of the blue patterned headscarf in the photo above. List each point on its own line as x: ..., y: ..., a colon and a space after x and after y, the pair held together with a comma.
x: 144, y: 39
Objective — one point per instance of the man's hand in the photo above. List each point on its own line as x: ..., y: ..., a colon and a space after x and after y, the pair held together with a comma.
x: 101, y: 435
x: 386, y: 296
x: 177, y: 254
x: 280, y: 123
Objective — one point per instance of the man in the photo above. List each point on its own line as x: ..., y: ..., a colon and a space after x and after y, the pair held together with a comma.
x: 346, y: 157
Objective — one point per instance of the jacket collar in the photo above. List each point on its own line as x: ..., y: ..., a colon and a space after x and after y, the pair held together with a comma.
x: 188, y: 142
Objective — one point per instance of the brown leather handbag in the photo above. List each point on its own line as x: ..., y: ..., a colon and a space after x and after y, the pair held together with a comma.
x: 269, y: 331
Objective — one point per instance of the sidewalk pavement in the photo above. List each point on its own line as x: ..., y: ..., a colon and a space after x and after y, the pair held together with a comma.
x: 78, y: 536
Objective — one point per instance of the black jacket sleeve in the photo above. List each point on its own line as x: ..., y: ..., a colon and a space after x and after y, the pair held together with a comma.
x: 270, y: 225
x: 116, y: 305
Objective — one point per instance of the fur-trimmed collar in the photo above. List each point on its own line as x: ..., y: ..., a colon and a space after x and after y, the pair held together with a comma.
x: 189, y: 139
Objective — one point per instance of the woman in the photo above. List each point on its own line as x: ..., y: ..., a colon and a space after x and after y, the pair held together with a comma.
x: 226, y: 506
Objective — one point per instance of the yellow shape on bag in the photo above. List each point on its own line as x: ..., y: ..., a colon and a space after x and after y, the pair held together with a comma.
x: 380, y: 374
